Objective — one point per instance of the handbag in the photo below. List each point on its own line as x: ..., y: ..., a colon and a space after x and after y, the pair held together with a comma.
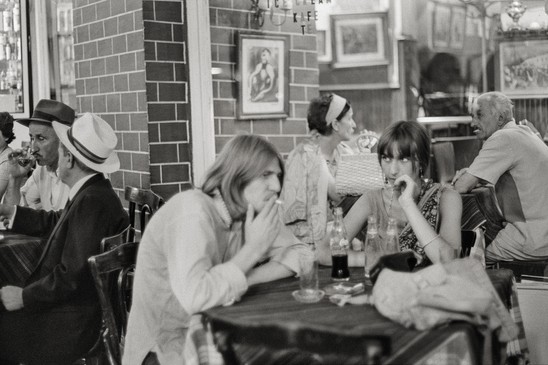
x: 358, y: 173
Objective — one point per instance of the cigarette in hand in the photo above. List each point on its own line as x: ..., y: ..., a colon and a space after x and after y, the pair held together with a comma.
x: 279, y: 202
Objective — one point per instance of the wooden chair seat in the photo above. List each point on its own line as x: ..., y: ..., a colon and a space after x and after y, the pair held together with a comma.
x: 146, y: 202
x: 112, y: 273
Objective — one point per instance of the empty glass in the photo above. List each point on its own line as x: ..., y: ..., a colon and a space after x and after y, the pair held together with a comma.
x: 308, y: 279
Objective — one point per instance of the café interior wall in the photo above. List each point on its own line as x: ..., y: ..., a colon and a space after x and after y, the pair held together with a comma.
x: 130, y: 62
x: 227, y: 19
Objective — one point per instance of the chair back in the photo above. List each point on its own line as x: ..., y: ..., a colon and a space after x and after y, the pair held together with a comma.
x: 146, y: 202
x: 108, y: 243
x: 444, y: 161
x: 112, y: 273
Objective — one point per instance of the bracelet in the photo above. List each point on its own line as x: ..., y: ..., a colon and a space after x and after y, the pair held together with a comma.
x: 429, y: 242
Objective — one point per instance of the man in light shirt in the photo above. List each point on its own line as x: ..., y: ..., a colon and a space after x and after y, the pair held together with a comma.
x: 43, y: 189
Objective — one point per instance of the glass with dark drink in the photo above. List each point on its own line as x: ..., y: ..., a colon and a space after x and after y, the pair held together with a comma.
x: 339, y: 246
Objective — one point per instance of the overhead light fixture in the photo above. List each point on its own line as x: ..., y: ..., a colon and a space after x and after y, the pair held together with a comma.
x: 260, y: 7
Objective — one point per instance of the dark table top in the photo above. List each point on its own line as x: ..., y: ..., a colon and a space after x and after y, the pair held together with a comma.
x: 19, y: 255
x: 272, y: 306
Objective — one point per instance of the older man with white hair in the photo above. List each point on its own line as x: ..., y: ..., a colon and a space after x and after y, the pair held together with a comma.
x: 515, y: 160
x: 55, y: 316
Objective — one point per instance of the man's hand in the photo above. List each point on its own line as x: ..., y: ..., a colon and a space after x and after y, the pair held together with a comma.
x: 15, y: 169
x: 6, y: 212
x: 12, y: 297
x: 458, y: 174
x: 262, y: 230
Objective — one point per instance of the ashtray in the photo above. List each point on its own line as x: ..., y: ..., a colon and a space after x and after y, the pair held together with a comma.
x: 344, y: 288
x: 308, y: 297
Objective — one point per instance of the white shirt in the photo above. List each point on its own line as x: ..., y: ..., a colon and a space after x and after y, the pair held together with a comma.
x: 44, y: 190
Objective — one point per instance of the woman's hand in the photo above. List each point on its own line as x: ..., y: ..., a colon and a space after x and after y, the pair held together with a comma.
x: 408, y: 190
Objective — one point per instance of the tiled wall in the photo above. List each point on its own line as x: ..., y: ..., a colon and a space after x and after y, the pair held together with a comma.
x: 227, y: 17
x: 131, y: 70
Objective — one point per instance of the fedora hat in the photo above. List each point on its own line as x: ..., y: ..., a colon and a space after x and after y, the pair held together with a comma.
x: 92, y: 141
x: 47, y: 111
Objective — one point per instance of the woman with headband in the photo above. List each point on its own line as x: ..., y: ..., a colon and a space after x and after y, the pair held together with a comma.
x: 309, y: 185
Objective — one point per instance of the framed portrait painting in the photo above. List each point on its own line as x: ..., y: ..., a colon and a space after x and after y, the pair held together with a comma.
x: 523, y: 68
x: 263, y: 67
x: 359, y: 39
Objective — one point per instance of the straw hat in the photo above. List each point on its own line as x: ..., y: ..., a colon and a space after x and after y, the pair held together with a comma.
x: 48, y: 111
x: 92, y: 141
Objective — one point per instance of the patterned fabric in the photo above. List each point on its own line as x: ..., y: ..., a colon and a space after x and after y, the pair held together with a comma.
x: 305, y: 189
x: 429, y: 202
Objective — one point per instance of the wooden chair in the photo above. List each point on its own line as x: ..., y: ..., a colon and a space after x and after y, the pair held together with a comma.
x: 108, y: 243
x: 112, y: 272
x: 146, y: 202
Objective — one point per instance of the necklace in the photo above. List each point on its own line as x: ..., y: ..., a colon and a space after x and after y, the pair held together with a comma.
x: 390, y: 203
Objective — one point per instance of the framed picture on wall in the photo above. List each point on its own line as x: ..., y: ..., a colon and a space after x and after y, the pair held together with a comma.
x: 263, y: 67
x: 323, y: 40
x: 458, y: 23
x: 360, y: 39
x: 441, y: 22
x: 523, y: 68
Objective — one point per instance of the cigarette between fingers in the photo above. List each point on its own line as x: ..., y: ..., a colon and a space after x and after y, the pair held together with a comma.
x: 279, y: 202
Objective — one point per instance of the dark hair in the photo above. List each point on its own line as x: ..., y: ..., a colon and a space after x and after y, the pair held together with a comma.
x: 408, y: 139
x: 241, y: 160
x: 6, y: 126
x: 317, y: 111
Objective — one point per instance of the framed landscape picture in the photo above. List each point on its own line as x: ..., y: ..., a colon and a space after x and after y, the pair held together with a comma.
x: 263, y: 66
x: 360, y: 39
x: 458, y: 23
x: 523, y: 68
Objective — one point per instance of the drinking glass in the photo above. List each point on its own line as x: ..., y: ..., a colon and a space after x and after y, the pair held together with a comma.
x: 308, y: 279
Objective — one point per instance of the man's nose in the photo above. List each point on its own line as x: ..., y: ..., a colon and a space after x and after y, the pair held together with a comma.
x: 33, y: 148
x: 275, y: 184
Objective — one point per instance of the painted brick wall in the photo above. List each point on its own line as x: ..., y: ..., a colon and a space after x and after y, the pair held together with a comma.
x: 165, y: 41
x: 131, y: 70
x: 227, y: 17
x: 110, y: 79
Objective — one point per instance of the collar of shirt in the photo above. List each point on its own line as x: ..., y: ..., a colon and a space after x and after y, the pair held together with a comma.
x: 221, y: 208
x: 79, y: 185
x: 53, y: 174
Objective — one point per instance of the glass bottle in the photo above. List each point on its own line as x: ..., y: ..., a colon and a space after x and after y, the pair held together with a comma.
x: 373, y: 247
x: 392, y: 242
x: 339, y: 246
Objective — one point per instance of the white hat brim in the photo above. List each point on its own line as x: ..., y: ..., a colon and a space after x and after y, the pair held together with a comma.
x: 111, y: 164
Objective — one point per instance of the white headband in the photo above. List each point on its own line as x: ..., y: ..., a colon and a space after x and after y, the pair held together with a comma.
x: 335, y: 108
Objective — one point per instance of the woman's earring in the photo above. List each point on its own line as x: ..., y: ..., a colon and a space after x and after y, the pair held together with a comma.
x: 421, y: 173
x: 385, y: 179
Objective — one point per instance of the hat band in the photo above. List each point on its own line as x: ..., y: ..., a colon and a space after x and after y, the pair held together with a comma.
x: 83, y: 150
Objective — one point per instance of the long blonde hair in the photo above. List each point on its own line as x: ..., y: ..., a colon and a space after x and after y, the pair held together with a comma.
x: 244, y: 158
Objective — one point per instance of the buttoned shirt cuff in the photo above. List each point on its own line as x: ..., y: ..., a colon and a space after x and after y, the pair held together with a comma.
x: 12, y: 218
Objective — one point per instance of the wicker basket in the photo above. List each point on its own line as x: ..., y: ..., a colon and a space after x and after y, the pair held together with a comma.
x: 358, y: 173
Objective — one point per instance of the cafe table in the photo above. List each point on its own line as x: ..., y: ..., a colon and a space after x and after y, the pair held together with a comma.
x: 268, y: 326
x: 19, y: 255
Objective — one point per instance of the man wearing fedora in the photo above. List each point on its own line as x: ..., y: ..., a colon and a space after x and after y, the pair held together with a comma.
x: 44, y: 189
x: 55, y: 316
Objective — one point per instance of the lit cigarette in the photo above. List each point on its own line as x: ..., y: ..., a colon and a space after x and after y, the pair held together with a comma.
x: 279, y: 202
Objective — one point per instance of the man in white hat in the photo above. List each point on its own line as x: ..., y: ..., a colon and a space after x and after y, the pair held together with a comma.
x: 44, y: 189
x: 54, y: 317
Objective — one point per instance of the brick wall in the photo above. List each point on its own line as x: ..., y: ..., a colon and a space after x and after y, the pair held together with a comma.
x: 110, y: 74
x: 229, y: 17
x: 131, y: 70
x: 168, y: 96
